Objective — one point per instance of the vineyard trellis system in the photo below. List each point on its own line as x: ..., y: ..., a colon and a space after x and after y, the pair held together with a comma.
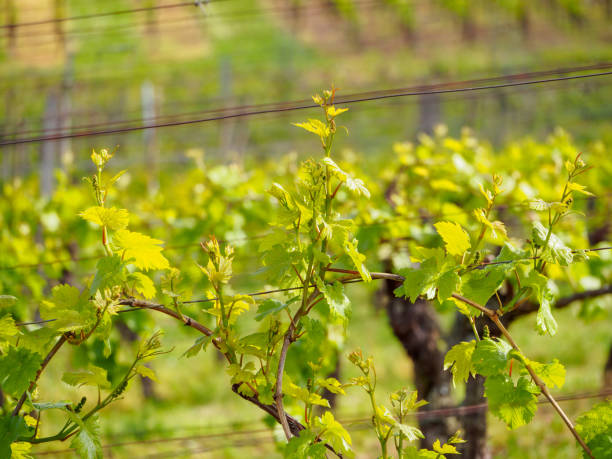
x: 310, y: 236
x: 294, y: 106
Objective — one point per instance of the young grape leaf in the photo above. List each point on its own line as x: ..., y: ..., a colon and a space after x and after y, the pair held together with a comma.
x: 142, y: 249
x: 93, y: 376
x: 304, y: 447
x: 145, y: 372
x: 339, y: 304
x: 113, y: 218
x: 200, y: 343
x: 350, y: 248
x: 545, y: 321
x: 555, y: 251
x: 419, y: 281
x: 411, y: 433
x: 268, y: 307
x: 459, y: 360
x: 109, y: 272
x: 456, y: 240
x: 515, y: 405
x: 595, y: 427
x: 332, y: 385
x: 444, y: 449
x: 11, y: 428
x: 87, y: 442
x: 18, y: 366
x: 579, y: 188
x: 334, y: 433
x: 491, y: 356
x: 7, y: 327
x: 70, y: 309
x: 143, y: 284
x: 448, y: 283
x: 481, y: 284
x: 552, y: 374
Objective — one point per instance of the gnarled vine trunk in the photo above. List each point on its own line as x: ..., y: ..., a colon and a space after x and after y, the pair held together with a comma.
x: 416, y: 327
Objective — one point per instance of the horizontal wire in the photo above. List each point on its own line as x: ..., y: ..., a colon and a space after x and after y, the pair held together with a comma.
x: 170, y: 117
x: 176, y: 116
x: 347, y: 100
x: 161, y: 21
x: 458, y: 410
x: 97, y: 15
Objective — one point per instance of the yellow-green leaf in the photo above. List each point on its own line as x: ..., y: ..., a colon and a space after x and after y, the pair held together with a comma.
x: 579, y: 188
x: 144, y: 251
x: 146, y: 372
x: 455, y: 238
x: 143, y: 285
x: 333, y: 111
x: 112, y: 218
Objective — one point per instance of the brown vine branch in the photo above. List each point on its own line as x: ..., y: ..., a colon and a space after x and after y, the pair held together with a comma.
x: 60, y: 342
x: 294, y: 426
x: 278, y: 393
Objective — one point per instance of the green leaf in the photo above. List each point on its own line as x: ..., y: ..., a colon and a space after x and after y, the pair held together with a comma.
x: 411, y: 433
x: 109, y: 272
x: 113, y: 218
x: 70, y: 308
x: 339, y: 304
x: 515, y: 405
x: 419, y: 281
x: 7, y: 327
x: 545, y: 321
x: 11, y: 428
x: 87, y: 442
x: 18, y: 366
x: 144, y: 251
x: 93, y: 376
x: 334, y: 434
x: 350, y: 248
x: 459, y: 360
x: 595, y: 428
x: 200, y: 343
x: 456, y: 240
x: 552, y: 374
x: 481, y: 284
x: 304, y: 447
x: 556, y: 251
x: 491, y: 356
x: 6, y: 301
x: 448, y: 283
x: 253, y: 344
x: 269, y: 307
